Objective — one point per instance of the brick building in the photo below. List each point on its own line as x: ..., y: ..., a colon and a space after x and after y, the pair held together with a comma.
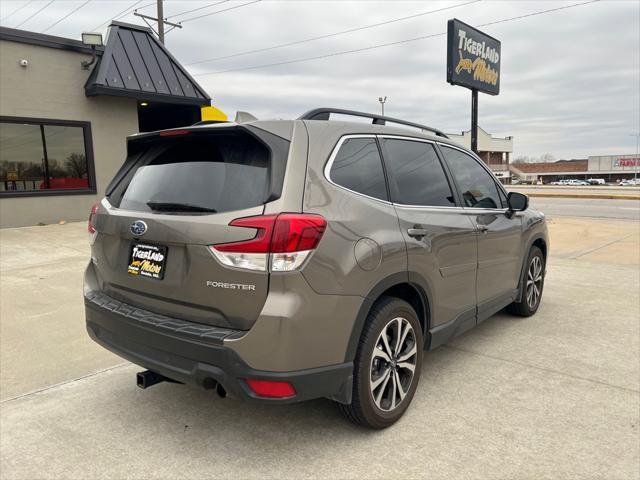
x: 610, y: 168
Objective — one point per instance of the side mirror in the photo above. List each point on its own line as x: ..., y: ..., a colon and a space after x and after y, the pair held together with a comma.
x: 518, y: 202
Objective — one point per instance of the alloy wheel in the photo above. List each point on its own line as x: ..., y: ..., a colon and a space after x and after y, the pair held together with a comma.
x: 534, y: 282
x: 393, y: 364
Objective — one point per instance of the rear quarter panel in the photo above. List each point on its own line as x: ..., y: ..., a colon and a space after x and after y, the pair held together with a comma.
x: 362, y: 243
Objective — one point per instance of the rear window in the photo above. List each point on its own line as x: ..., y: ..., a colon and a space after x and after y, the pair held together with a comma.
x: 199, y: 174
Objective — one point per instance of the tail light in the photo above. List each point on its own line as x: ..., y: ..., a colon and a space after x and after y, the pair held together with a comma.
x: 270, y: 388
x: 284, y: 241
x: 94, y: 210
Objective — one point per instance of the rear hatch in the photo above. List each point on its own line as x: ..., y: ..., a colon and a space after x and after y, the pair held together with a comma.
x: 173, y: 198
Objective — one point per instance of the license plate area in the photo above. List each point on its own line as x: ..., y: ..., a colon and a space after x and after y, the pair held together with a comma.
x: 147, y: 260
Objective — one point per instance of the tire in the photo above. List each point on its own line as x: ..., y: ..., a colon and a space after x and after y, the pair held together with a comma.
x: 381, y: 406
x: 532, y: 285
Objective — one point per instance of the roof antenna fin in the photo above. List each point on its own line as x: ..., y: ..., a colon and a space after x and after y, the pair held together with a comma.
x: 244, y: 117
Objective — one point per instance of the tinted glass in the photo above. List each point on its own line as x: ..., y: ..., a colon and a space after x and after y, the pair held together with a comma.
x: 477, y: 186
x: 66, y: 159
x: 21, y: 157
x: 216, y: 173
x: 27, y: 163
x: 358, y: 167
x: 418, y: 174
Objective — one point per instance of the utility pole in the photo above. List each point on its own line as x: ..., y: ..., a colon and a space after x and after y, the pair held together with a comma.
x: 160, y: 20
x: 382, y: 102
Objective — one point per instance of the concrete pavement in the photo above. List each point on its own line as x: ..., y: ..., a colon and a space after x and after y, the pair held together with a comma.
x: 553, y: 396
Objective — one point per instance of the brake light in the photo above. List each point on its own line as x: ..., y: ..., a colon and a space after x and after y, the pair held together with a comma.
x: 270, y: 388
x: 94, y: 209
x: 174, y: 133
x: 284, y: 241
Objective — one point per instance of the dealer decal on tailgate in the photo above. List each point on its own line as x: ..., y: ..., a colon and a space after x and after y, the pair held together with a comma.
x: 147, y: 260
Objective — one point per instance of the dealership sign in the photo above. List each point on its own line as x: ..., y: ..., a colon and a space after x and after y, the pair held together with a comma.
x: 626, y: 162
x: 473, y: 58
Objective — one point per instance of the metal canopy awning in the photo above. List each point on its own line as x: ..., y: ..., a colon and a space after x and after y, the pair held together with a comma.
x: 136, y: 65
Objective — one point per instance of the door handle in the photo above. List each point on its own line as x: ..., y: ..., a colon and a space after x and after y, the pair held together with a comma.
x: 483, y: 229
x: 416, y: 232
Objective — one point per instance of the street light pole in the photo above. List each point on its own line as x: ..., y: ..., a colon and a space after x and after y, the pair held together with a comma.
x: 382, y: 101
x: 636, y: 160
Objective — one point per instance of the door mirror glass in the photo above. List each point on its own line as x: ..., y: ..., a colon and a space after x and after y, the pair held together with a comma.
x: 518, y: 202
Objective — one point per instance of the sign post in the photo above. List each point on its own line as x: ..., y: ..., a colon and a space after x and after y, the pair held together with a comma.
x: 473, y: 61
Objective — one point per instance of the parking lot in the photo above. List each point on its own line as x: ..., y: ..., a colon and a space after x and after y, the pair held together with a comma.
x: 556, y: 395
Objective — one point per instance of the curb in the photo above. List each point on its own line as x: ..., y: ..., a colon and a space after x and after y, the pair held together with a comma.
x: 577, y: 195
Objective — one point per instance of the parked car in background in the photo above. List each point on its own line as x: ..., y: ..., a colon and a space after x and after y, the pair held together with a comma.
x: 576, y: 183
x: 283, y: 261
x: 629, y: 182
x: 596, y: 181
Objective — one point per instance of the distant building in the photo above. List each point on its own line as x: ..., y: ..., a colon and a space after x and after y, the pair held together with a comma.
x: 495, y: 152
x: 611, y: 168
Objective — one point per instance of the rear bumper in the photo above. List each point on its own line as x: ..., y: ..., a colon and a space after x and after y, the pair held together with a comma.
x: 195, y: 354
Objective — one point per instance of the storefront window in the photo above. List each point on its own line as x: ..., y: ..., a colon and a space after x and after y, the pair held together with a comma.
x: 42, y: 157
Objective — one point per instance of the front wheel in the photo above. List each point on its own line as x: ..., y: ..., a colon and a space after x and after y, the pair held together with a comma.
x: 387, y: 365
x: 532, y: 285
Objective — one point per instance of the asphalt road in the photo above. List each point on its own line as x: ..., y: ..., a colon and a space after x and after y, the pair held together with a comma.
x: 590, y: 208
x: 555, y: 396
x: 575, y: 190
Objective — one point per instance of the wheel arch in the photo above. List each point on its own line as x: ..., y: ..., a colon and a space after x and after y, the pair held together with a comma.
x: 407, y: 286
x: 536, y: 241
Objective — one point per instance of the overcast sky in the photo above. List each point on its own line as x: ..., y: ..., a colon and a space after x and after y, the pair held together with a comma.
x: 570, y: 79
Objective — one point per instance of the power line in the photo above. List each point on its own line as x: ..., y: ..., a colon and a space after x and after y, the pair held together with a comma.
x: 125, y: 12
x: 298, y: 42
x: 196, y: 9
x: 17, y: 10
x: 219, y: 11
x: 33, y: 15
x: 65, y: 17
x: 399, y: 42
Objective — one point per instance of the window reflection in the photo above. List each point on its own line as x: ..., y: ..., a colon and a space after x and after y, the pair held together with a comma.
x: 37, y: 157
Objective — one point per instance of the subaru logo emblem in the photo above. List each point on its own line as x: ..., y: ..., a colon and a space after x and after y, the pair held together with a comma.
x: 138, y: 228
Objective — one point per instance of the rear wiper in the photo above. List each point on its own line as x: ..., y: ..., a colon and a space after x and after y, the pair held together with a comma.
x: 179, y: 207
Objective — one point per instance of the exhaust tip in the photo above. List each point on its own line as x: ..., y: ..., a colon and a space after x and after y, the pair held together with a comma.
x: 222, y: 393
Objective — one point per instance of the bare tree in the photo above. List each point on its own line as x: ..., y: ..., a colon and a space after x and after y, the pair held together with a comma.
x: 76, y: 165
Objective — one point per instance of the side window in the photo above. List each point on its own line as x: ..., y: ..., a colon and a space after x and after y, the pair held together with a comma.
x: 417, y: 173
x: 358, y: 167
x: 503, y: 197
x: 477, y: 186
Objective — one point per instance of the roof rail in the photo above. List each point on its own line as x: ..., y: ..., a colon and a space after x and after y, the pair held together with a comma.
x: 325, y: 113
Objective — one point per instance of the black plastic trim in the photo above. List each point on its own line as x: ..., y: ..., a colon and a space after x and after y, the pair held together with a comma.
x: 400, y: 278
x: 492, y: 306
x: 199, y: 331
x: 523, y: 268
x: 200, y: 363
x: 448, y: 331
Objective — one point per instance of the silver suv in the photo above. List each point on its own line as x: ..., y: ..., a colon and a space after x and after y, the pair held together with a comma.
x: 282, y: 261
